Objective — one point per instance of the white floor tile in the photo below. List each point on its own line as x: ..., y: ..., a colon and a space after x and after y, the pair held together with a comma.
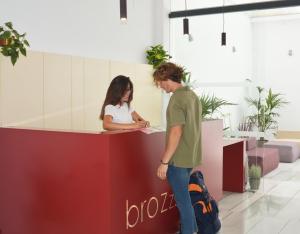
x: 233, y: 200
x: 275, y: 208
x: 239, y: 222
x: 291, y: 227
x: 267, y: 206
x: 268, y: 226
x: 296, y: 177
x: 232, y: 230
x: 297, y: 195
x: 291, y: 210
x: 283, y: 175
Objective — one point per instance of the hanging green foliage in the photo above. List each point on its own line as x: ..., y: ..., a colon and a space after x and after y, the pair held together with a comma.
x: 12, y: 43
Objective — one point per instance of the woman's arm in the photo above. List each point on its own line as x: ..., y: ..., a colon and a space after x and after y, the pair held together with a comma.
x: 109, y: 125
x: 137, y: 118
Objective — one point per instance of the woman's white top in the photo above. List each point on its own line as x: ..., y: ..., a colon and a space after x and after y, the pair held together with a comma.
x: 120, y: 114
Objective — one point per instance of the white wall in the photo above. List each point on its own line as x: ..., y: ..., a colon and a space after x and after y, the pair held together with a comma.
x: 274, y: 68
x: 208, y: 61
x: 89, y: 28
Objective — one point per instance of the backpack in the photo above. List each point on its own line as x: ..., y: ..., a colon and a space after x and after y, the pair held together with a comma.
x: 205, y: 206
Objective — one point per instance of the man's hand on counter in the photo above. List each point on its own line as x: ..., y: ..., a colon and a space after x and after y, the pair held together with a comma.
x: 162, y: 171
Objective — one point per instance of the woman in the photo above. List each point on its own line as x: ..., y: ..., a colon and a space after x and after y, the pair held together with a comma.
x: 116, y: 112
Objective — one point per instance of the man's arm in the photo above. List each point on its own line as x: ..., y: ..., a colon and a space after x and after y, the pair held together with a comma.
x: 172, y: 143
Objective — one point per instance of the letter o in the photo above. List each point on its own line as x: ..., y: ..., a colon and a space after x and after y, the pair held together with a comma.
x: 156, y: 201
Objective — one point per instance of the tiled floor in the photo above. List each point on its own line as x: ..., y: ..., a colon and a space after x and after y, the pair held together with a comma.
x: 275, y: 208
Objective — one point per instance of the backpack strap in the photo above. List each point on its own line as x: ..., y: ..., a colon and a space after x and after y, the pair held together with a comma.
x: 204, y: 208
x: 195, y: 188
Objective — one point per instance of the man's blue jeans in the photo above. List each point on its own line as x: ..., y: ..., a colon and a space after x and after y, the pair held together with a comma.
x: 178, y: 179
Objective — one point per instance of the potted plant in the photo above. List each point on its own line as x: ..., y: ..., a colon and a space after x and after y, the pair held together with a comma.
x: 186, y: 77
x: 264, y: 117
x: 12, y: 43
x: 157, y: 55
x: 254, y: 177
x: 211, y: 104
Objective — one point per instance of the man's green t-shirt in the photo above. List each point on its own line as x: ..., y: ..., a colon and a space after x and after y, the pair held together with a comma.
x: 185, y: 109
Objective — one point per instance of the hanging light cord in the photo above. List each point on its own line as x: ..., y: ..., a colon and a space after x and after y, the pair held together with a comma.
x: 185, y: 7
x: 223, y: 15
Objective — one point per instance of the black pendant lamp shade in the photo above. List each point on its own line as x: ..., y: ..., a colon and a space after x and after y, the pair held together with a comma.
x: 186, y: 30
x: 123, y: 10
x: 186, y: 26
x: 223, y: 39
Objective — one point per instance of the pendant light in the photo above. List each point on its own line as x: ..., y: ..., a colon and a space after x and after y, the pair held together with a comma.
x: 186, y: 23
x: 223, y: 35
x: 186, y: 26
x: 123, y: 10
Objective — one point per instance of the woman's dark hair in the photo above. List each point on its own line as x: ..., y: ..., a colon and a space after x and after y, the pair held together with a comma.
x: 116, y: 90
x: 168, y: 71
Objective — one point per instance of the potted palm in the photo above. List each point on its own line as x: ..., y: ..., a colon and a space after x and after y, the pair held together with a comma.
x: 211, y: 104
x: 12, y: 43
x: 254, y: 177
x: 264, y: 117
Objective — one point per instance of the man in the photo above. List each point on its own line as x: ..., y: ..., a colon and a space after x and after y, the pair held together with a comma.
x: 183, y: 140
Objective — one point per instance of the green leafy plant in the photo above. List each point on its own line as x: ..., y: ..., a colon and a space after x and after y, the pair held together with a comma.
x: 186, y: 76
x: 211, y: 104
x: 254, y: 171
x: 265, y: 114
x: 157, y: 55
x: 254, y: 176
x: 12, y: 43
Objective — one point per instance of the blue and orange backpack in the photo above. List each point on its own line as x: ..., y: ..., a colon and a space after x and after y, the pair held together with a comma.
x: 205, y: 206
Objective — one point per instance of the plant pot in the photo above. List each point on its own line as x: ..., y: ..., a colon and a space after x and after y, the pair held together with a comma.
x: 3, y: 42
x: 254, y: 183
x: 261, y: 142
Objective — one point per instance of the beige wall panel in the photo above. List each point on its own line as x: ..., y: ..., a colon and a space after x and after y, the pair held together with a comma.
x: 147, y: 99
x: 96, y: 82
x: 64, y: 92
x: 282, y: 134
x: 77, y: 93
x: 57, y: 91
x: 121, y: 68
x: 22, y: 91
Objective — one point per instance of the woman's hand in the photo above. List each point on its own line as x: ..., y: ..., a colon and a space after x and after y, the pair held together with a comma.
x: 137, y: 118
x: 139, y: 124
x: 142, y: 124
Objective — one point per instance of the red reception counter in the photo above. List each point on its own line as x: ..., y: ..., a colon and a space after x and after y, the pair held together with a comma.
x: 54, y: 182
